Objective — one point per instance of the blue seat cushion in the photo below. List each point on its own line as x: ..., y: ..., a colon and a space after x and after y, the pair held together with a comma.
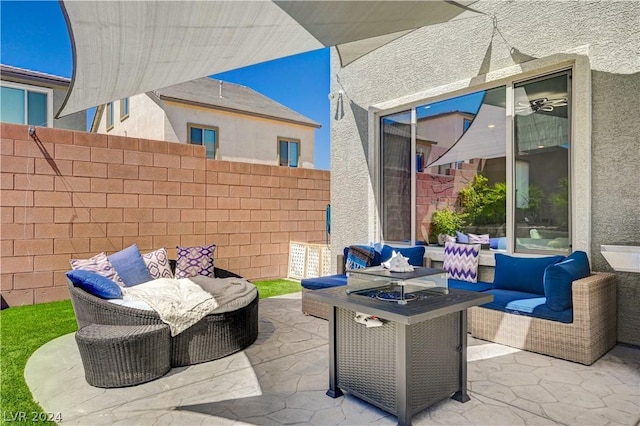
x: 324, y: 282
x: 558, y: 280
x: 415, y: 254
x: 466, y: 285
x: 522, y: 273
x: 527, y: 304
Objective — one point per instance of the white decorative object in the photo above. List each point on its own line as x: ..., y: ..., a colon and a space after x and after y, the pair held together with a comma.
x: 622, y: 258
x: 398, y: 263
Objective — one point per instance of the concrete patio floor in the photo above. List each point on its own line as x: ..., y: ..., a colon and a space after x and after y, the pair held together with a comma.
x: 283, y: 376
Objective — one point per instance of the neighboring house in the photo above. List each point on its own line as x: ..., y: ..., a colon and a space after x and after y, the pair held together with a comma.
x: 234, y: 122
x: 31, y: 97
x: 541, y: 97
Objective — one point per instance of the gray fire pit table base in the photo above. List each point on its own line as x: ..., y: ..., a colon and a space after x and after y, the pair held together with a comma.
x: 415, y: 359
x: 399, y: 368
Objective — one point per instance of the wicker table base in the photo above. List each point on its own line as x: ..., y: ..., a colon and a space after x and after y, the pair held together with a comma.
x: 416, y: 358
x: 123, y: 355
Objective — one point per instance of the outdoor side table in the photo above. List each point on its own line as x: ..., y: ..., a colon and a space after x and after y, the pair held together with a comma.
x: 415, y: 359
x: 124, y: 355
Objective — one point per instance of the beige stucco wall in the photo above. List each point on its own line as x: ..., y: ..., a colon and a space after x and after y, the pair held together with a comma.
x: 461, y: 56
x: 146, y: 119
x: 241, y: 137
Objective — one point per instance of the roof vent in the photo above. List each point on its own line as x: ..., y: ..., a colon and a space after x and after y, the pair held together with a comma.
x: 220, y: 91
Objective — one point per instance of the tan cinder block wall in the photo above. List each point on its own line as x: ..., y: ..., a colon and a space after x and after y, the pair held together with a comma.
x: 71, y: 194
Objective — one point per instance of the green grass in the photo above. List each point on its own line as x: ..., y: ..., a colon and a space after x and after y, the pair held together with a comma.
x: 277, y: 287
x: 25, y: 328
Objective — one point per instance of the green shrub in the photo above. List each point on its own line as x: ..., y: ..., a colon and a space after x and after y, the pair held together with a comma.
x: 446, y: 221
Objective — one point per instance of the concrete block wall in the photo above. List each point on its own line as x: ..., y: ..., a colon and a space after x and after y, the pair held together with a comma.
x: 68, y: 194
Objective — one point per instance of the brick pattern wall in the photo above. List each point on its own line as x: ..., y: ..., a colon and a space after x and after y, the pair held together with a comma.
x: 68, y: 194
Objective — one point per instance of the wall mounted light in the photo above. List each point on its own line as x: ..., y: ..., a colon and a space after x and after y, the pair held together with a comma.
x: 337, y: 95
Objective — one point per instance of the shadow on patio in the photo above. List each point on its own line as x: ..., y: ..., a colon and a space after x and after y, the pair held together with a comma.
x: 282, y: 378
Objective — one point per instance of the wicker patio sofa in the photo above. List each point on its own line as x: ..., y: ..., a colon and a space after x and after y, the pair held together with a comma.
x: 215, y: 336
x: 591, y: 334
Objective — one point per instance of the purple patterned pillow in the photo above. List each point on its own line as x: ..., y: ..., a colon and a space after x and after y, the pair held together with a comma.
x: 461, y: 261
x: 100, y: 265
x: 158, y: 264
x: 192, y: 261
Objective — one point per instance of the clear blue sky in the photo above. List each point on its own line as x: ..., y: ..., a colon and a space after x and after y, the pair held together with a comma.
x: 34, y: 35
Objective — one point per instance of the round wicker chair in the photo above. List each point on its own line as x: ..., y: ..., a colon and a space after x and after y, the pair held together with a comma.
x: 215, y: 336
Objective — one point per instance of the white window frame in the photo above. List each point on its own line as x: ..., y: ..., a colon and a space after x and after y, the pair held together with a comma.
x: 290, y: 141
x: 203, y: 127
x: 123, y: 115
x: 110, y: 120
x: 47, y: 91
x: 580, y: 162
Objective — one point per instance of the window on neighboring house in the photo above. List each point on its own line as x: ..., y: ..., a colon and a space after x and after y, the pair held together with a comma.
x: 109, y: 116
x: 204, y: 135
x: 20, y: 104
x: 512, y: 183
x: 124, y: 108
x: 288, y: 152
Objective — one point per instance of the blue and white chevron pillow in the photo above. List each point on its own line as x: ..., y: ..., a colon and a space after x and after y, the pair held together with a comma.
x: 461, y: 261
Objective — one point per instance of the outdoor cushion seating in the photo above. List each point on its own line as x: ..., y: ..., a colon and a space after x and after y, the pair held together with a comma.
x: 321, y: 310
x: 216, y: 335
x: 528, y: 313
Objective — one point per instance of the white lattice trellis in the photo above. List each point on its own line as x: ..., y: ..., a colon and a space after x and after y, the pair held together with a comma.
x: 307, y: 260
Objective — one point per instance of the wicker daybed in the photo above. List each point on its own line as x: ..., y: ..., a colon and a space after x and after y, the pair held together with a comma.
x: 215, y: 336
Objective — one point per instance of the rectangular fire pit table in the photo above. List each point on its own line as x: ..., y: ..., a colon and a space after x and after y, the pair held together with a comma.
x: 415, y: 359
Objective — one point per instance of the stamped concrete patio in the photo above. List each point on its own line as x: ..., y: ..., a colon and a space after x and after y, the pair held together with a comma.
x: 283, y: 376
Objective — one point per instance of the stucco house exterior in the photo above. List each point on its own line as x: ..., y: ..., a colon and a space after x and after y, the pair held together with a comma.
x: 234, y: 122
x: 549, y: 89
x: 32, y: 97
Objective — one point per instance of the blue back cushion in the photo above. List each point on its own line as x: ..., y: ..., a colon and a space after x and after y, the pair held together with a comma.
x: 95, y: 284
x: 415, y: 254
x: 559, y: 278
x: 130, y: 266
x: 522, y: 273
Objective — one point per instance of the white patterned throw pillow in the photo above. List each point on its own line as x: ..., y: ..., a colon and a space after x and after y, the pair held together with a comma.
x: 157, y: 263
x: 100, y: 265
x: 461, y: 261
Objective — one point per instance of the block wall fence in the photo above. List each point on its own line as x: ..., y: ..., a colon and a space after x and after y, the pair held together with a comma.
x: 68, y: 194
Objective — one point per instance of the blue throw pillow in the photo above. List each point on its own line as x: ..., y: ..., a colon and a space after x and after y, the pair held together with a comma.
x: 559, y: 278
x: 462, y: 238
x: 95, y: 284
x: 130, y: 266
x: 498, y: 243
x: 415, y: 254
x: 522, y: 273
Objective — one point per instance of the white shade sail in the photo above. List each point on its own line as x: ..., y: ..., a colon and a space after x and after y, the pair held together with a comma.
x: 484, y: 139
x: 123, y: 48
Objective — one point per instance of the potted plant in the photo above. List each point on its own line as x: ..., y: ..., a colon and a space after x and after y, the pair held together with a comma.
x: 446, y: 222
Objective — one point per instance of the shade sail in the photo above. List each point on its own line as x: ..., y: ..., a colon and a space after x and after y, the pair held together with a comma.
x: 123, y: 48
x: 484, y: 139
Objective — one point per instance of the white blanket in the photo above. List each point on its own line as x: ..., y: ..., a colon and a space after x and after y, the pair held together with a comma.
x: 179, y: 302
